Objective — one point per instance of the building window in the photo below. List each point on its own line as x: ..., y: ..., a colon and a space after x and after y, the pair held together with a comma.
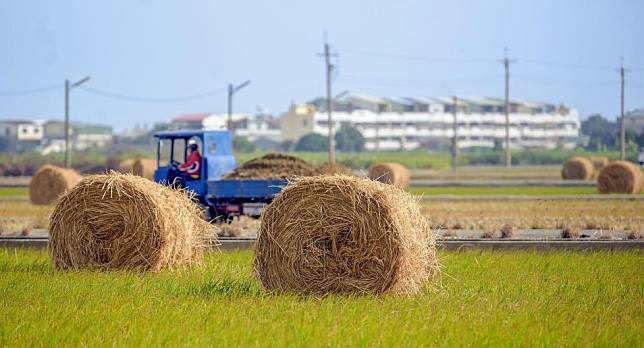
x: 24, y: 131
x: 305, y: 123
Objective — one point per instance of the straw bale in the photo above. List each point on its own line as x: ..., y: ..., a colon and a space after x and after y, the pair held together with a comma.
x: 599, y: 162
x: 343, y: 234
x: 577, y: 168
x: 125, y: 166
x: 335, y: 168
x: 144, y: 167
x: 390, y: 173
x: 123, y: 221
x: 620, y: 177
x: 50, y: 182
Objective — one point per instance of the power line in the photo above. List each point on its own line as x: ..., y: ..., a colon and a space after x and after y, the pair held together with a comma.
x: 564, y: 65
x: 31, y: 91
x: 416, y: 58
x: 119, y: 96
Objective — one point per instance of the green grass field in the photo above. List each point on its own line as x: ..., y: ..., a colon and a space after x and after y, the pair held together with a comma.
x: 483, y: 299
x: 14, y: 191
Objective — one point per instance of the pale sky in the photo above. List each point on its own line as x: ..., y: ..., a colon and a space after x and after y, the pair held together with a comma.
x: 151, y: 54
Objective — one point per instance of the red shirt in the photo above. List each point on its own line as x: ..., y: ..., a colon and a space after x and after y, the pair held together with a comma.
x: 192, y: 166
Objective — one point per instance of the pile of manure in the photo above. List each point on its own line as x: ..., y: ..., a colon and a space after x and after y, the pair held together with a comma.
x: 577, y: 168
x: 51, y: 182
x: 122, y: 221
x: 273, y: 166
x: 343, y: 234
x: 390, y: 173
x: 620, y: 177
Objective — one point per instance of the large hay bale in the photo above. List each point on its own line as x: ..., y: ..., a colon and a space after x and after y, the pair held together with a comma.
x: 599, y: 162
x: 144, y: 167
x: 342, y: 234
x: 125, y: 166
x: 124, y: 221
x: 50, y: 182
x: 620, y: 177
x: 390, y: 173
x: 577, y: 168
x: 273, y: 166
x: 335, y: 168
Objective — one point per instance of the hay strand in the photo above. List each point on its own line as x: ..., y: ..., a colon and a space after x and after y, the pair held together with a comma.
x: 620, y: 177
x: 122, y: 221
x: 342, y: 234
x: 390, y: 173
x: 577, y: 168
x: 51, y: 182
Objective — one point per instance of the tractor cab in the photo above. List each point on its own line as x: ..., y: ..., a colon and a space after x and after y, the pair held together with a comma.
x: 176, y: 165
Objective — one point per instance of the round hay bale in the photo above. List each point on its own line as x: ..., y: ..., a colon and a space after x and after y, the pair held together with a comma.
x: 599, y: 162
x: 122, y: 221
x: 125, y: 166
x: 335, y: 168
x: 343, y: 234
x: 390, y: 173
x: 51, y: 182
x: 620, y: 177
x: 577, y: 168
x: 144, y: 167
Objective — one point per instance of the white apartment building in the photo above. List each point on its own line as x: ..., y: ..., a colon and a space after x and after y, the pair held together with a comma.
x: 412, y: 123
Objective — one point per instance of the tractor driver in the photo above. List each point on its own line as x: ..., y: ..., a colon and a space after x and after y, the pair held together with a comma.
x: 192, y: 166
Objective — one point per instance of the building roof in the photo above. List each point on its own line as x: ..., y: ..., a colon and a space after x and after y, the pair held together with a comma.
x: 17, y: 121
x: 192, y: 117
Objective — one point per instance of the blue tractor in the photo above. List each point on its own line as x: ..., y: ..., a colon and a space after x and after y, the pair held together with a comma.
x: 222, y: 198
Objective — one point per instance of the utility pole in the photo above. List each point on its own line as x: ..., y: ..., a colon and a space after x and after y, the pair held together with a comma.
x: 68, y: 159
x: 622, y: 126
x: 329, y: 102
x: 455, y: 133
x: 231, y: 91
x: 506, y: 63
x: 68, y: 148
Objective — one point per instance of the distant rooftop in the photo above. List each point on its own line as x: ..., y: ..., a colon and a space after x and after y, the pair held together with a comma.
x: 192, y: 117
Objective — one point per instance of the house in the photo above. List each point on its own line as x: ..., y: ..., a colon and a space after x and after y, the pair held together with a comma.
x: 82, y: 136
x: 21, y: 135
x: 634, y: 120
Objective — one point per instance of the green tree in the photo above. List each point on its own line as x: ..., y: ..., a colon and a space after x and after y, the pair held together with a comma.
x: 312, y: 142
x: 349, y: 139
x: 4, y: 144
x: 241, y: 144
x: 601, y: 133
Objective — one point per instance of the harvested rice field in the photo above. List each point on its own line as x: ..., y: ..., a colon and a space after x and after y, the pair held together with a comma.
x: 537, y: 214
x: 481, y: 299
x: 442, y: 214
